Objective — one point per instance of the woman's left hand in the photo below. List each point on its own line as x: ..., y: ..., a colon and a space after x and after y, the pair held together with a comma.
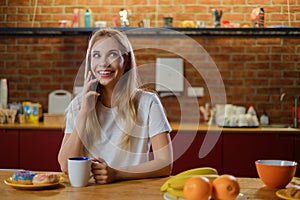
x: 102, y: 173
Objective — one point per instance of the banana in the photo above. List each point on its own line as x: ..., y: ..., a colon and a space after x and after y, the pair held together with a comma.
x: 191, y: 172
x: 179, y: 182
x: 174, y: 192
x: 211, y: 177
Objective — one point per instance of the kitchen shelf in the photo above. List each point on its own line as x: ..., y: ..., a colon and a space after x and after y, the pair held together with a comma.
x: 214, y: 32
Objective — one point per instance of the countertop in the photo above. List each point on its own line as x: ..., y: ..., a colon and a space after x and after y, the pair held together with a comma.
x: 204, y: 127
x: 175, y: 127
x: 146, y: 189
x: 40, y: 125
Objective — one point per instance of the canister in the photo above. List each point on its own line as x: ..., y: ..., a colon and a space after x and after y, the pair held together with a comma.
x: 3, y: 93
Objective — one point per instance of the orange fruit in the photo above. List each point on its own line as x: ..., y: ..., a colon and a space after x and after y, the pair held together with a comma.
x: 225, y: 187
x: 197, y: 188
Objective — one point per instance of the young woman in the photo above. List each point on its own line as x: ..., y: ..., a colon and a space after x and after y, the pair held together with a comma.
x: 112, y: 120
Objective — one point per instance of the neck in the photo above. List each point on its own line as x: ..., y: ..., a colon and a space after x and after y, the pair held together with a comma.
x: 106, y: 96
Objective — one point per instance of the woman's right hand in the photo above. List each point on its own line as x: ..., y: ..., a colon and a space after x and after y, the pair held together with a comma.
x: 102, y: 173
x: 89, y: 97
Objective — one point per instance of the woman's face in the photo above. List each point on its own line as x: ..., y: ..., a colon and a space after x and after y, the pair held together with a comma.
x: 107, y: 61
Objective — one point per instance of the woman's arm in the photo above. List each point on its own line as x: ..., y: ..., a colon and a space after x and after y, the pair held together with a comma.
x: 161, y: 165
x: 72, y: 143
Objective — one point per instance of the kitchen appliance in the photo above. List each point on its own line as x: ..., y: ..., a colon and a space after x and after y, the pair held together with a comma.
x: 58, y: 101
x: 169, y: 75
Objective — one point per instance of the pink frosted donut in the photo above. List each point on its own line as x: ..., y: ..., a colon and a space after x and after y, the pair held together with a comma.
x: 23, y: 177
x: 45, y: 179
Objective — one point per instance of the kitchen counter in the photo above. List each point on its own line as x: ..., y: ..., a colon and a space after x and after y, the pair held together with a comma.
x: 217, y: 146
x: 175, y: 127
x: 204, y: 127
x: 37, y: 126
x: 252, y: 188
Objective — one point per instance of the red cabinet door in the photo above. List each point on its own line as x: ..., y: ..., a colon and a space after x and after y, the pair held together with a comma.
x: 9, y: 148
x: 186, y: 147
x: 240, y: 151
x: 297, y: 153
x: 39, y: 149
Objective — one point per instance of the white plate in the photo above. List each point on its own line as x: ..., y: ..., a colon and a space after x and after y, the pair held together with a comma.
x: 168, y: 196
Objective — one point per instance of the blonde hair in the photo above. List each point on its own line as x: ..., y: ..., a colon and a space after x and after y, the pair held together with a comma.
x: 124, y: 95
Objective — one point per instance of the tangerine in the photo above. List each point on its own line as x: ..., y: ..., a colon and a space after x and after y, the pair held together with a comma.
x: 197, y: 188
x: 225, y: 187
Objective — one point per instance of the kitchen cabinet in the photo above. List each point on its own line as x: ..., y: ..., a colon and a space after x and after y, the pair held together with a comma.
x: 39, y: 149
x: 36, y: 147
x: 297, y: 153
x: 186, y: 147
x: 240, y: 151
x: 9, y: 148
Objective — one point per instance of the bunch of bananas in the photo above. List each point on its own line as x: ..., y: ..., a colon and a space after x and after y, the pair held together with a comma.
x: 175, y: 184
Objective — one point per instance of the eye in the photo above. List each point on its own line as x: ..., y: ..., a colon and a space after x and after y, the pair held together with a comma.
x: 96, y: 55
x: 113, y: 55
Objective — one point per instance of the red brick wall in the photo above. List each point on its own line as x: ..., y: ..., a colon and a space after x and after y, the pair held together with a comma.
x: 254, y: 70
x: 48, y: 12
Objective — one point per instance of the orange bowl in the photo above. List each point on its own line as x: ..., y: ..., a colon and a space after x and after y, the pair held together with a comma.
x: 276, y: 173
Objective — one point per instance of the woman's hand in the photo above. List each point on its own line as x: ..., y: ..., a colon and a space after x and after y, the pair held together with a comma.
x: 102, y: 173
x: 89, y: 97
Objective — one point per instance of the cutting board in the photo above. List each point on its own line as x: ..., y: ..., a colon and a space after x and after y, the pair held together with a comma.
x: 58, y: 101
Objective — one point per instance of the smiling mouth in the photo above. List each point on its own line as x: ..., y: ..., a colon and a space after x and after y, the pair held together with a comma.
x: 105, y: 73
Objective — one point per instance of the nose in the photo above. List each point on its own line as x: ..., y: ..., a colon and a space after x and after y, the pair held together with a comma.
x: 102, y: 63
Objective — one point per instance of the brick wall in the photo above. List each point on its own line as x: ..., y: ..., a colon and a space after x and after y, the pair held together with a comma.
x: 20, y: 13
x: 254, y: 70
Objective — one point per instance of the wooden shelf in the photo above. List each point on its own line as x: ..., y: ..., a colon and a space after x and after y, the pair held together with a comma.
x: 214, y: 32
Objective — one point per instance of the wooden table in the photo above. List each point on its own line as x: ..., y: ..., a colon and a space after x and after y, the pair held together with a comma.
x: 146, y: 189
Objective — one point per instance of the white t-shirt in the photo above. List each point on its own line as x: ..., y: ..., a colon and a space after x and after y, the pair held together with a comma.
x: 151, y: 122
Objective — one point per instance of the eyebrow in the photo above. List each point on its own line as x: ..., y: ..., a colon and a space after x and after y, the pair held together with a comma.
x: 108, y: 51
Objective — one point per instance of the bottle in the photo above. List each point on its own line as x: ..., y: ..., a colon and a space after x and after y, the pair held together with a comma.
x: 261, y: 18
x: 264, y: 119
x: 76, y: 18
x: 3, y: 93
x: 87, y: 19
x: 251, y: 110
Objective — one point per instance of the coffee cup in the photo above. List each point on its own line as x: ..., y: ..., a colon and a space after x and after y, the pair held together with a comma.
x: 79, y: 171
x: 168, y: 22
x: 233, y: 121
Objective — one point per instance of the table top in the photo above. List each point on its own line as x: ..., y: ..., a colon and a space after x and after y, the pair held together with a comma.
x: 146, y: 189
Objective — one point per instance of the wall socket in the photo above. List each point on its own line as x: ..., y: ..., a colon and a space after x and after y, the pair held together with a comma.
x: 195, y: 91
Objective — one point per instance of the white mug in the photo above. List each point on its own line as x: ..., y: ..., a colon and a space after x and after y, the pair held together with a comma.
x: 146, y: 23
x: 79, y: 171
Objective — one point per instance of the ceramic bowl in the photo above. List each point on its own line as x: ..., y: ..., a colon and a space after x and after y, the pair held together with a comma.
x: 276, y: 173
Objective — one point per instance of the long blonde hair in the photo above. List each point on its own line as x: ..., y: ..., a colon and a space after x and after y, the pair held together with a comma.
x: 124, y: 95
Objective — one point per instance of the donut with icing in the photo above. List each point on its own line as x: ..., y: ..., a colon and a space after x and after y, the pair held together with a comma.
x: 45, y: 179
x: 23, y: 177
